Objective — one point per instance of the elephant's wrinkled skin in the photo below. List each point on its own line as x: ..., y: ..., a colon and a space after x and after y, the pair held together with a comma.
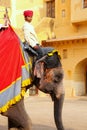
x: 17, y: 117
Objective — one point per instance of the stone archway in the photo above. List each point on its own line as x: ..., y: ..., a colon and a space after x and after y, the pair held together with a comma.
x: 80, y: 78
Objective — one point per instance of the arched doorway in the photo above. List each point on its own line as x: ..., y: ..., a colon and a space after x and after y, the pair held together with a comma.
x: 80, y: 78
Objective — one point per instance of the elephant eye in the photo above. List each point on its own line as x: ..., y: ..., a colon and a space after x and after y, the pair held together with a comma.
x: 55, y: 81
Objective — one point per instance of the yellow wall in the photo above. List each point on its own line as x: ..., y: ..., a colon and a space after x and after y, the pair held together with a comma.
x: 2, y: 11
x: 63, y: 23
x: 78, y: 13
x: 75, y: 21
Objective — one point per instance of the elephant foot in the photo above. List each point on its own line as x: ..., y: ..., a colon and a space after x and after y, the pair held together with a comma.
x: 61, y: 128
x: 15, y: 126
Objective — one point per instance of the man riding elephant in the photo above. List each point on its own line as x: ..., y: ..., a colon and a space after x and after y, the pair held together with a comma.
x: 17, y: 77
x: 29, y: 32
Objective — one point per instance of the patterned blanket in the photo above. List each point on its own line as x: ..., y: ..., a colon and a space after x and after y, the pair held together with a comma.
x: 15, y: 69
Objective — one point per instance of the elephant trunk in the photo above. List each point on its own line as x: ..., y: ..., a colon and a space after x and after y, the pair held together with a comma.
x: 58, y: 105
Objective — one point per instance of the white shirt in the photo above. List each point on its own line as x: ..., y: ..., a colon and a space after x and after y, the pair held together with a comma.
x: 3, y: 26
x: 30, y: 34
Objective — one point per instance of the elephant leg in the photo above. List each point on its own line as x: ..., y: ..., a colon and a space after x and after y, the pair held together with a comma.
x: 58, y: 105
x: 18, y: 119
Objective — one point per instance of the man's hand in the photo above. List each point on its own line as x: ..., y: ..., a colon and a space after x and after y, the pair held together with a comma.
x: 3, y: 26
x: 36, y: 47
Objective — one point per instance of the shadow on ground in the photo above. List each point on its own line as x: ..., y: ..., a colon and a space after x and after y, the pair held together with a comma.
x: 34, y: 127
x: 42, y: 127
x: 37, y: 127
x: 69, y: 129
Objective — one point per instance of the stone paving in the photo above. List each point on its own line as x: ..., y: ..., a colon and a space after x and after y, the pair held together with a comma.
x: 40, y: 110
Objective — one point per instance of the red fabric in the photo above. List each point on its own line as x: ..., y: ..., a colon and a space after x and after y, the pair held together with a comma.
x: 11, y: 59
x: 28, y: 13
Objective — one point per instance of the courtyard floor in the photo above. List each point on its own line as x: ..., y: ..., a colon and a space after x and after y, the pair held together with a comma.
x: 40, y: 110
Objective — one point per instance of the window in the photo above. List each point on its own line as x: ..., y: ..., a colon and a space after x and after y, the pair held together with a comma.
x: 84, y: 3
x: 63, y: 13
x: 62, y: 1
x: 64, y: 53
x: 50, y: 8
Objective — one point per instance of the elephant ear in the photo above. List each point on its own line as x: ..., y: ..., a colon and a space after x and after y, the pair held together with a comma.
x: 47, y: 79
x: 39, y: 75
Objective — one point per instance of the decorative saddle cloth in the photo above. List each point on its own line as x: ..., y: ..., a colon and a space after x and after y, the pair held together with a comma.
x: 15, y: 69
x: 51, y: 55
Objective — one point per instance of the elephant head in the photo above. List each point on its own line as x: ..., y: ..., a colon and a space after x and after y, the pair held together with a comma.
x: 49, y: 75
x: 53, y: 82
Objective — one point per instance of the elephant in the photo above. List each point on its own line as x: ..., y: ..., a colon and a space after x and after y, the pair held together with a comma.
x: 48, y: 79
